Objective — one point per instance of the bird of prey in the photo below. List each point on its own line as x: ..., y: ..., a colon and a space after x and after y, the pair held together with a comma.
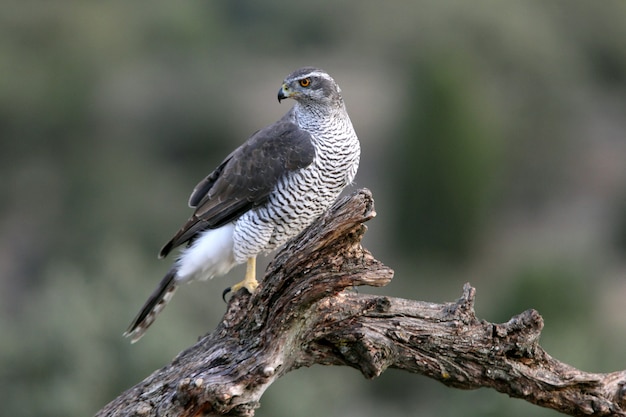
x: 265, y: 192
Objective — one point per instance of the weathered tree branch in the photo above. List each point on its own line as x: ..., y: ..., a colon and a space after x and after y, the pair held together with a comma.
x: 301, y: 315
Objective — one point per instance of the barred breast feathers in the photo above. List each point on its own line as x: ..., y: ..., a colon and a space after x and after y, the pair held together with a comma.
x: 305, y: 194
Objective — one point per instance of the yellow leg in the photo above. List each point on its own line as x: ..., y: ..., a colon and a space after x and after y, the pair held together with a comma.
x: 249, y: 282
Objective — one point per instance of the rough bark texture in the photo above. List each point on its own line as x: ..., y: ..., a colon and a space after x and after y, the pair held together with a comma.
x: 304, y: 313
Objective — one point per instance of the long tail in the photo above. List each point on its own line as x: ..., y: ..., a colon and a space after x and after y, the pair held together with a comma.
x: 155, y: 304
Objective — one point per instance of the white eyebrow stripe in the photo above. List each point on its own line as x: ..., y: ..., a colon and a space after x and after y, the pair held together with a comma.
x: 314, y: 73
x: 319, y: 74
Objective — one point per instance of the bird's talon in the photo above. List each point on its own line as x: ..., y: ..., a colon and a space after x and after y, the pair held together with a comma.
x: 250, y: 286
x: 226, y: 291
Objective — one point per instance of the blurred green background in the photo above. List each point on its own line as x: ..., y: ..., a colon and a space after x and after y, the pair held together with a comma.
x: 493, y: 139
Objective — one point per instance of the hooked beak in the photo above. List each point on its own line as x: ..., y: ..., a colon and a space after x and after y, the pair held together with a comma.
x: 283, y: 93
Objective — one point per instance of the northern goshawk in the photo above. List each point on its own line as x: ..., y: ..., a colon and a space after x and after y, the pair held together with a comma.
x: 265, y: 192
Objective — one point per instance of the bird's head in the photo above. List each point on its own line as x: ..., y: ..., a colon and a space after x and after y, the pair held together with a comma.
x: 310, y: 85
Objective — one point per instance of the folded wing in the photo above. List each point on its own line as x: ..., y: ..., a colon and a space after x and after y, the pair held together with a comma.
x: 245, y: 179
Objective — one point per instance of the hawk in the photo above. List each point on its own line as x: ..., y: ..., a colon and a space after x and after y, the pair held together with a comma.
x: 265, y: 192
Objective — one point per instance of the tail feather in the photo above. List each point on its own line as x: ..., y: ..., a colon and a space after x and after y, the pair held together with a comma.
x: 155, y: 304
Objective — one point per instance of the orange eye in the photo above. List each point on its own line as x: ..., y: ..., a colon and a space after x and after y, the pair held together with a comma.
x: 305, y: 82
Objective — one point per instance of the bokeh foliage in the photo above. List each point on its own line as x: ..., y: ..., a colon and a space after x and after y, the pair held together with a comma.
x: 444, y: 162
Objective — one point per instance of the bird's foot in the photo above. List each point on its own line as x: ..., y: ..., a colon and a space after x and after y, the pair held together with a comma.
x: 249, y: 285
x: 249, y: 282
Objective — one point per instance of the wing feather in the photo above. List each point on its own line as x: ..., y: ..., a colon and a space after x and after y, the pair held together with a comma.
x: 245, y: 178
